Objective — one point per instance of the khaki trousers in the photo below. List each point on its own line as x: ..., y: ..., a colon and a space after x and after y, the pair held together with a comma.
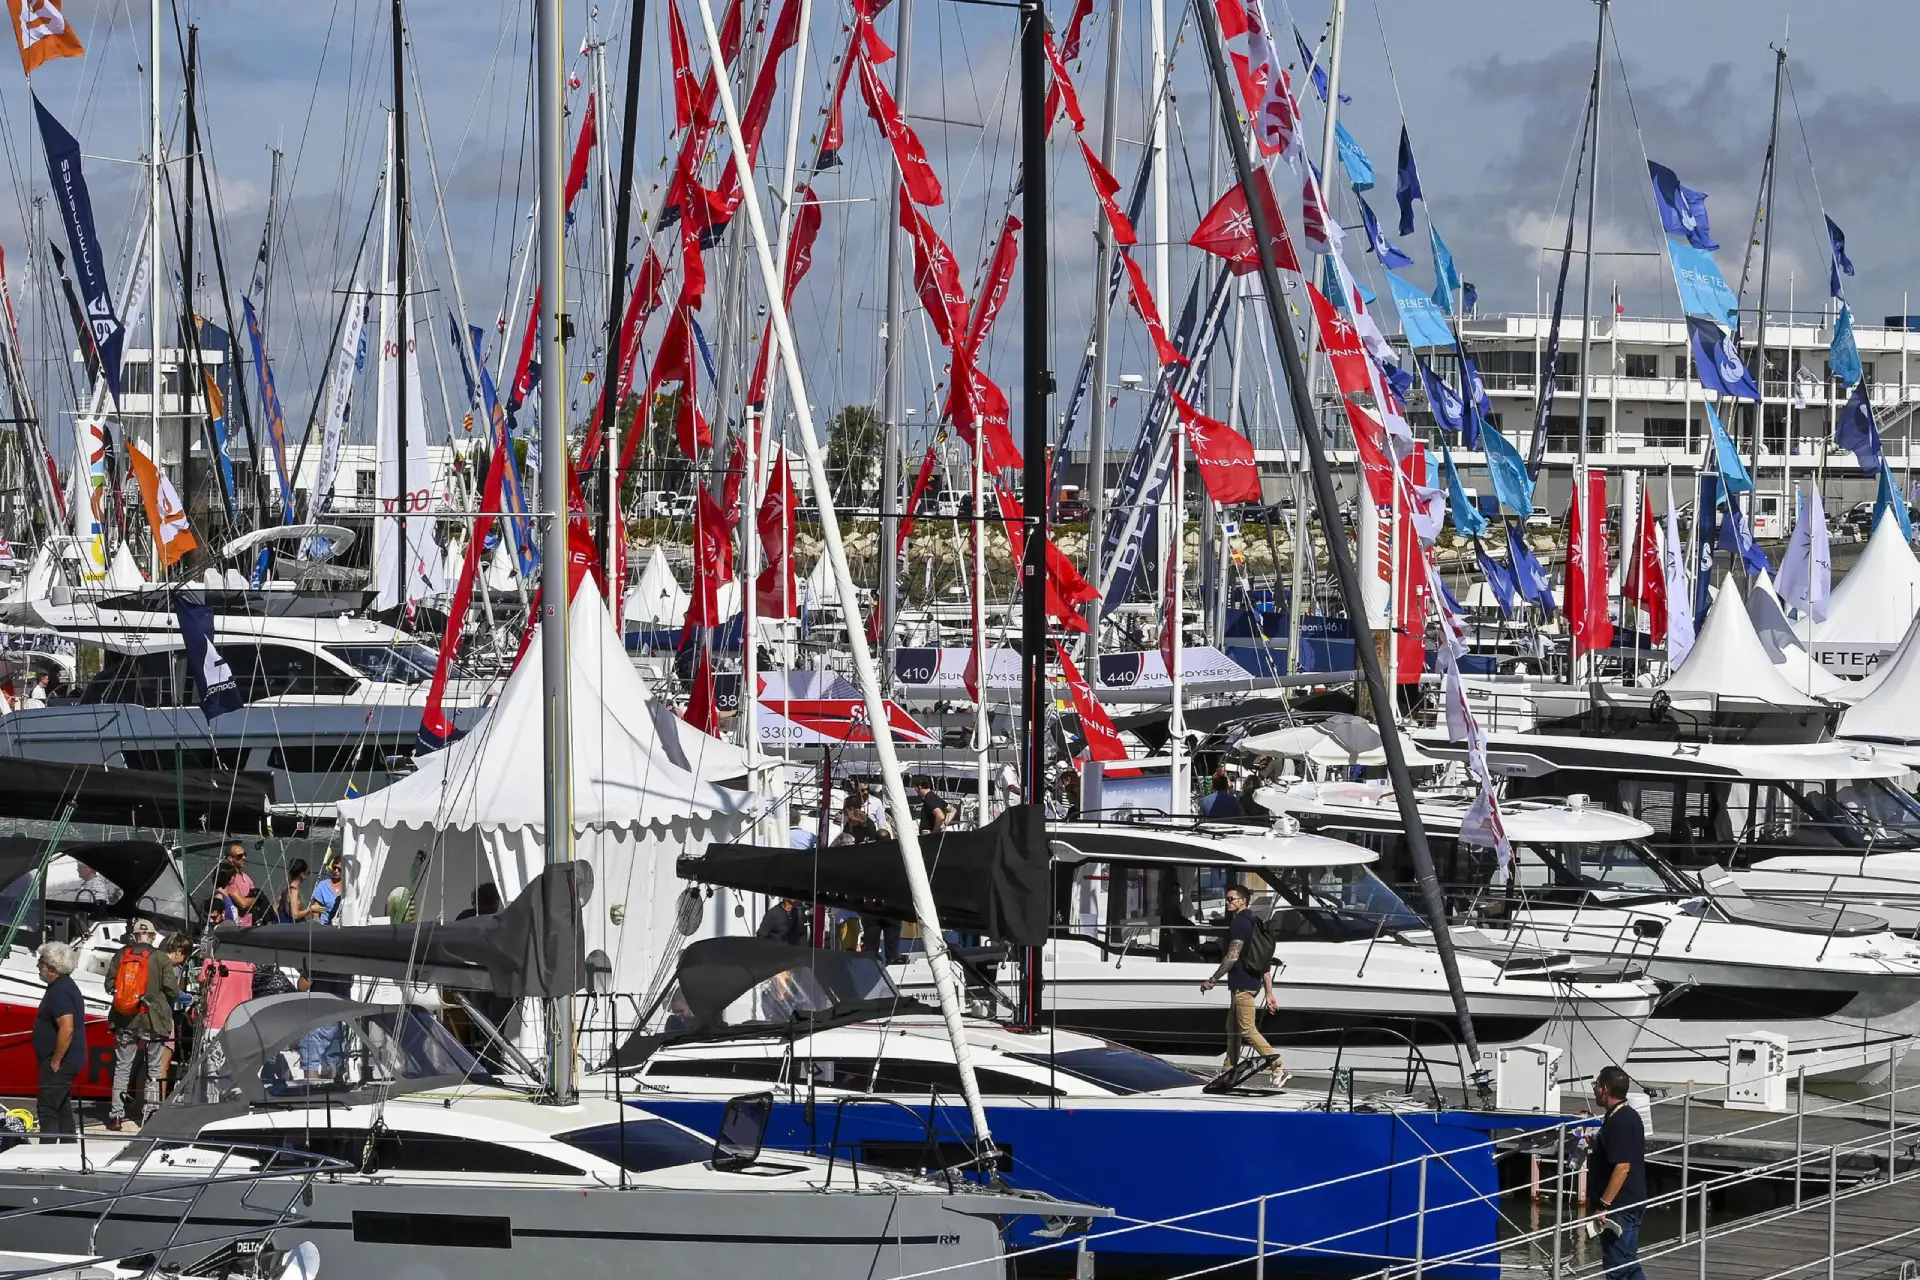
x: 1241, y: 1028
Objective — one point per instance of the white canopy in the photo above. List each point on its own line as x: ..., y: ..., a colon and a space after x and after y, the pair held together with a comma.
x: 123, y: 574
x: 658, y: 600
x: 1877, y: 600
x: 646, y: 789
x: 1729, y: 661
x: 1885, y: 703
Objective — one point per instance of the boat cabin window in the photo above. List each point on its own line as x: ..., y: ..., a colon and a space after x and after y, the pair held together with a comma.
x: 923, y: 1076
x: 1619, y: 865
x: 1115, y: 1067
x: 642, y: 1145
x: 1335, y: 903
x: 392, y: 664
x: 144, y: 679
x: 398, y: 1151
x: 764, y: 1070
x: 283, y: 671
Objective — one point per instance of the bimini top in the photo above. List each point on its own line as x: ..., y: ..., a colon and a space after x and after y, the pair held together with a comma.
x: 1531, y: 821
x: 1204, y: 843
x: 1535, y: 755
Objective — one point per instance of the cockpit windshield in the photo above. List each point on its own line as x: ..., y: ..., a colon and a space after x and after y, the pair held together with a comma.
x: 1621, y: 865
x: 1888, y: 813
x: 1339, y: 902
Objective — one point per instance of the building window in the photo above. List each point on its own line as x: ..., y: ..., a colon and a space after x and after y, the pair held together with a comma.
x: 1683, y: 365
x: 1774, y: 433
x: 134, y: 378
x: 1643, y: 366
x: 363, y: 485
x: 1665, y: 433
x: 1563, y: 433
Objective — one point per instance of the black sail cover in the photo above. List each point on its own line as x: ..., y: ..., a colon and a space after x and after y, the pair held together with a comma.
x: 992, y: 881
x: 534, y: 947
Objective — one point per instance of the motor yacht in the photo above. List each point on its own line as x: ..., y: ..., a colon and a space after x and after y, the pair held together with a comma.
x: 1839, y: 985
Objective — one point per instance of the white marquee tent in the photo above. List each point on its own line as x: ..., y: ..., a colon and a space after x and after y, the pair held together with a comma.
x: 1877, y: 600
x: 647, y: 788
x: 1728, y: 659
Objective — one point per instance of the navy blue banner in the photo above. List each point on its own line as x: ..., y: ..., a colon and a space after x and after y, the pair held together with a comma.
x: 212, y: 678
x: 89, y: 266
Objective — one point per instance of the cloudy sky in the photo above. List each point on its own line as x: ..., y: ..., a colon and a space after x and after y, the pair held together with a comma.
x: 1492, y: 91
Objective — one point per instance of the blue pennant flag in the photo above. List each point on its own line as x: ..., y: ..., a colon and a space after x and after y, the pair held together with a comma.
x: 1888, y: 499
x: 1466, y: 517
x: 1841, y: 262
x: 1683, y: 211
x: 1399, y: 379
x: 1499, y: 578
x: 1733, y: 472
x: 1319, y: 72
x: 1446, y: 279
x: 1407, y: 189
x: 1508, y: 470
x: 1448, y: 409
x: 1359, y: 168
x: 1474, y: 390
x: 213, y: 338
x: 1856, y: 430
x: 1735, y: 538
x: 1527, y: 570
x: 513, y: 496
x: 1703, y: 290
x: 1718, y: 362
x: 1383, y: 248
x: 1843, y: 357
x: 1420, y: 320
x: 89, y: 263
x: 1706, y: 526
x: 212, y: 678
x: 1469, y: 297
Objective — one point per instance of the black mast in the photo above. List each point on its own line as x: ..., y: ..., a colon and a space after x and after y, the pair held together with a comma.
x: 617, y: 296
x: 1036, y: 393
x: 1328, y: 501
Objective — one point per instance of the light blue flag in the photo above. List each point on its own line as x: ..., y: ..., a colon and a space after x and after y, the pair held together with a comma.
x: 1733, y: 472
x: 1703, y: 290
x: 1844, y: 355
x: 1353, y: 159
x: 1889, y: 499
x: 1508, y: 471
x: 1446, y: 279
x: 1420, y: 320
x: 1466, y: 517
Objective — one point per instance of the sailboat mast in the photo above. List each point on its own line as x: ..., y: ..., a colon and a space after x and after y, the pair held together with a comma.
x: 1766, y: 274
x: 155, y: 195
x: 557, y: 720
x: 616, y: 308
x: 402, y: 219
x: 1586, y: 301
x: 1094, y: 480
x: 1328, y: 500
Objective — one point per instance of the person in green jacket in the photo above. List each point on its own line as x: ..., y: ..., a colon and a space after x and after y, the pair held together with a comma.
x: 141, y: 1017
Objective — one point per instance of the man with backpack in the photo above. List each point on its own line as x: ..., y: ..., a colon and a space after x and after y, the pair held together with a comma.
x: 1247, y: 968
x: 143, y: 984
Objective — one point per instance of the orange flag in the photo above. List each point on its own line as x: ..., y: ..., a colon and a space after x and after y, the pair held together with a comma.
x: 43, y: 32
x: 165, y: 515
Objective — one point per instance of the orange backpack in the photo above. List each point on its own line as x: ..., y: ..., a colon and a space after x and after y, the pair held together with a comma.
x: 130, y: 980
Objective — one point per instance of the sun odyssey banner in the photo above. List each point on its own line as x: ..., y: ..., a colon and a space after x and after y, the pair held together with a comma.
x: 89, y: 264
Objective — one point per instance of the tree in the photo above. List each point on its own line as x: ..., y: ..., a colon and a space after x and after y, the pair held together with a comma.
x: 855, y: 436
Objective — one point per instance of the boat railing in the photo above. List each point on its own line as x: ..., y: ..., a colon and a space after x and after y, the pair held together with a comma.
x: 1887, y: 1151
x: 151, y: 1182
x: 936, y: 1163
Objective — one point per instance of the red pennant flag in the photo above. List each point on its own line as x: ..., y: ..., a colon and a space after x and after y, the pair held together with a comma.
x: 690, y: 429
x: 703, y: 709
x: 981, y: 416
x: 1143, y: 303
x: 1227, y: 230
x: 684, y: 92
x: 1313, y: 216
x: 1070, y: 47
x: 1410, y: 608
x: 1341, y: 341
x: 1370, y: 438
x: 806, y: 228
x: 1107, y: 188
x: 640, y: 308
x: 1646, y: 577
x: 1062, y: 92
x: 1225, y: 456
x: 776, y: 592
x: 935, y: 274
x: 1065, y: 587
x: 922, y: 480
x: 916, y: 171
x: 736, y: 477
x: 834, y: 135
x: 1586, y: 590
x: 582, y: 153
x: 1096, y: 726
x: 1006, y: 252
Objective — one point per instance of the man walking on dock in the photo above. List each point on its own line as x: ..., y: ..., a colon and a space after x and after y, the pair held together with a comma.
x: 1617, y: 1165
x: 1246, y: 975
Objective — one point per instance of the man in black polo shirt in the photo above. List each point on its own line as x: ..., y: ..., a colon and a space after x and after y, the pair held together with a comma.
x: 1245, y: 987
x: 1617, y: 1175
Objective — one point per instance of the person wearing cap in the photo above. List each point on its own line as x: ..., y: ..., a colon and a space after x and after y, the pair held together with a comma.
x: 144, y: 1030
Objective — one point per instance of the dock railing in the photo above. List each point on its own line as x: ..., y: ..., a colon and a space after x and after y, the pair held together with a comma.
x: 1879, y: 1156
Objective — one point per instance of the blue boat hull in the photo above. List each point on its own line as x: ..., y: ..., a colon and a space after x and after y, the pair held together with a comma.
x: 1354, y: 1178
